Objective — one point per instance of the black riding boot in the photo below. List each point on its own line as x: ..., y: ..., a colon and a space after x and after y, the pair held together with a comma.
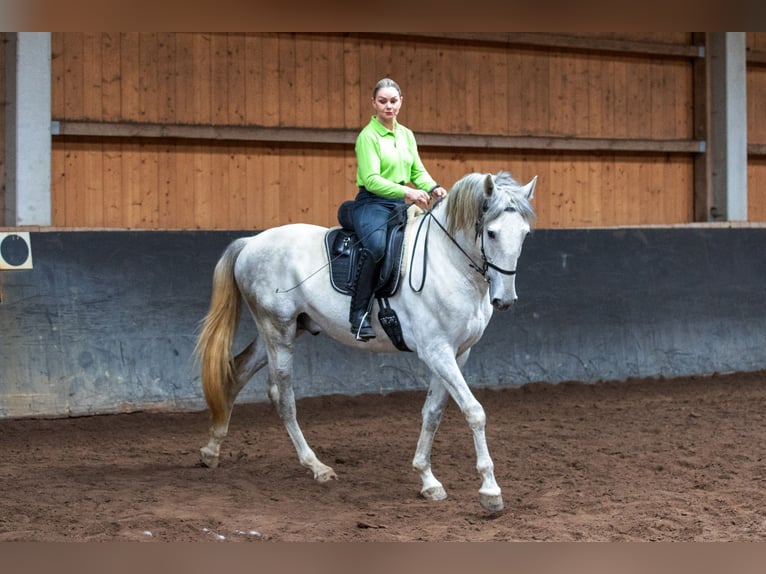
x: 365, y: 281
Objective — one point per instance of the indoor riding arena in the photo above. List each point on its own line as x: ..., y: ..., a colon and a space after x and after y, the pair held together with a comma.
x: 625, y: 391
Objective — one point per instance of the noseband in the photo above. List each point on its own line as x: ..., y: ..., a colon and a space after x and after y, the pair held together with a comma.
x: 487, y: 263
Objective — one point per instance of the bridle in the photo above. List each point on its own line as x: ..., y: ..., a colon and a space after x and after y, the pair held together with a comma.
x: 482, y: 268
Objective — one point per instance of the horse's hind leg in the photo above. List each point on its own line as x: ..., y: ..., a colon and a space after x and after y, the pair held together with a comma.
x: 433, y: 409
x: 282, y: 395
x: 246, y: 364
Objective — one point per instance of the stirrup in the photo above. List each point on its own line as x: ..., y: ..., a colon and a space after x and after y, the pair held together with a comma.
x: 364, y: 332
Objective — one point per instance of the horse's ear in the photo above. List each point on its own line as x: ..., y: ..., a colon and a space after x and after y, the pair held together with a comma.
x: 489, y: 185
x: 529, y: 189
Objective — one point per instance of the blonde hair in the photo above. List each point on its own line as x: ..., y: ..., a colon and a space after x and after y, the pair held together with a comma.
x: 386, y: 83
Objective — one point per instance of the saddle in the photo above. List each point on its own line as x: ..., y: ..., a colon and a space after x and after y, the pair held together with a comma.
x: 343, y: 246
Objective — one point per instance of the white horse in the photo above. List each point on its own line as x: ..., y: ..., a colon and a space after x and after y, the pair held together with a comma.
x: 466, y: 262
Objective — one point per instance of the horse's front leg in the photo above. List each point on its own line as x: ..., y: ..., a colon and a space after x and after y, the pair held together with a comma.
x: 447, y: 369
x: 433, y: 409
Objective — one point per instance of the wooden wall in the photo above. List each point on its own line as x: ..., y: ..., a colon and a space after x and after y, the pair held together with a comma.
x: 458, y: 87
x: 756, y: 129
x: 3, y: 42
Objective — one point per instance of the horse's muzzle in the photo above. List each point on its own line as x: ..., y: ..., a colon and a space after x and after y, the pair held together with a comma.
x: 501, y: 305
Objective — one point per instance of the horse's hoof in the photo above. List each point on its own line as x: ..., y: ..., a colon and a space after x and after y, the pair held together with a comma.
x: 208, y: 458
x: 325, y: 475
x: 491, y: 502
x: 434, y: 493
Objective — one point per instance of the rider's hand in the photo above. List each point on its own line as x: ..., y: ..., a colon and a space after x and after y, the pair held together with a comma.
x: 418, y: 197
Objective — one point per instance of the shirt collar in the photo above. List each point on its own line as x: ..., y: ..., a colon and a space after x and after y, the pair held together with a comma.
x: 380, y: 128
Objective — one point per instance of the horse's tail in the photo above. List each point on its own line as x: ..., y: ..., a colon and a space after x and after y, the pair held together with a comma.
x: 213, y: 347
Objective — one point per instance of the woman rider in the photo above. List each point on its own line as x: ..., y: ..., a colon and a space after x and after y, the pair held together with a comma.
x: 387, y: 160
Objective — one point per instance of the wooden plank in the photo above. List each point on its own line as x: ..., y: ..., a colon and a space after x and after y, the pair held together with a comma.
x: 756, y: 57
x: 254, y: 79
x: 166, y: 78
x: 271, y: 187
x: 322, y: 105
x: 756, y: 107
x: 93, y: 183
x: 353, y: 108
x: 3, y: 74
x: 58, y: 183
x: 237, y: 188
x: 148, y: 99
x: 58, y: 72
x: 422, y: 107
x: 204, y: 214
x: 414, y: 78
x: 167, y: 196
x: 333, y: 94
x: 92, y: 75
x: 516, y: 87
x: 346, y: 137
x: 701, y: 192
x: 131, y: 185
x: 620, y: 99
x: 286, y: 81
x: 560, y: 42
x: 300, y: 97
x: 485, y: 91
x: 288, y: 198
x: 111, y: 92
x: 130, y: 77
x: 112, y: 204
x: 756, y: 190
x: 148, y: 190
x: 237, y: 72
x: 579, y: 70
x: 202, y: 80
x: 219, y: 194
x: 608, y: 189
x: 622, y: 184
x: 73, y: 75
x: 535, y: 103
x: 219, y: 85
x: 183, y: 76
x: 638, y: 112
x: 184, y: 215
x: 270, y: 79
x: 599, y: 87
x: 76, y: 204
x: 497, y: 99
x: 254, y: 184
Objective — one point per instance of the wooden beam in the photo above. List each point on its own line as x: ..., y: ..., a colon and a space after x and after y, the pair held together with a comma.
x: 702, y: 199
x: 559, y: 42
x: 756, y: 57
x: 67, y: 128
x: 756, y: 149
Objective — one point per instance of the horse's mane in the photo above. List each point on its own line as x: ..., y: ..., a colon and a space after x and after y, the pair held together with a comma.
x: 467, y: 204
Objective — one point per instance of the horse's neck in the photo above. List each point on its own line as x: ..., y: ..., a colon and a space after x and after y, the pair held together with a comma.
x: 453, y: 254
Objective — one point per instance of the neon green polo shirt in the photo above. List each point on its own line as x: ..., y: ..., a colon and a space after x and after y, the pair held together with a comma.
x: 388, y: 159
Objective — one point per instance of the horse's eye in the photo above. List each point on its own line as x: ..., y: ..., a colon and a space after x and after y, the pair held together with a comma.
x: 491, y: 234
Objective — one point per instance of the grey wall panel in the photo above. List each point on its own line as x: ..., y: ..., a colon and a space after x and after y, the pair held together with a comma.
x: 106, y: 321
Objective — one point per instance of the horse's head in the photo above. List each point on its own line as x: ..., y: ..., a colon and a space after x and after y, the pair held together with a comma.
x: 502, y: 216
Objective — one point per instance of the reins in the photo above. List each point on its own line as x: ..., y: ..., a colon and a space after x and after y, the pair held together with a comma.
x: 482, y: 270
